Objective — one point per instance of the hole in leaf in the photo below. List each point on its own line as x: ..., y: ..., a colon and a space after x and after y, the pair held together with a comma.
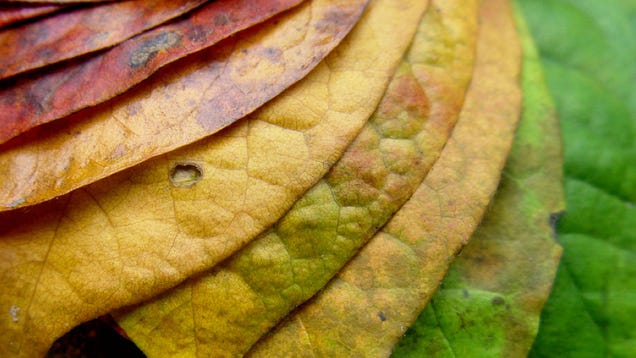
x: 185, y: 175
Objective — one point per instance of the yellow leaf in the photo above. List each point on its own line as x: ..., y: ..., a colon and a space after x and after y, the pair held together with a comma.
x: 369, y: 305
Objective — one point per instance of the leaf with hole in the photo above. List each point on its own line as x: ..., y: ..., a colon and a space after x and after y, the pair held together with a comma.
x: 180, y: 104
x: 286, y: 265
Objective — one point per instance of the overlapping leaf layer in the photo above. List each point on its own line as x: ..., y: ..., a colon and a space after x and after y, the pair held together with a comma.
x: 490, y: 300
x: 590, y: 73
x: 303, y: 187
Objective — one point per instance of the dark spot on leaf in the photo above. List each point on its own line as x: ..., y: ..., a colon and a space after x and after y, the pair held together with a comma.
x: 552, y: 221
x: 381, y: 316
x: 221, y: 20
x: 274, y: 55
x: 199, y: 33
x: 331, y: 20
x: 150, y: 48
x: 498, y: 301
x: 185, y: 175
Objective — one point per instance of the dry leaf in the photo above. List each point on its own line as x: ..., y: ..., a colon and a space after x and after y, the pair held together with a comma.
x: 79, y: 31
x: 58, y: 92
x: 367, y: 307
x: 183, y: 102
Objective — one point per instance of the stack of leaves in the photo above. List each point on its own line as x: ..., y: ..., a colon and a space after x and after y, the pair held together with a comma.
x: 277, y: 177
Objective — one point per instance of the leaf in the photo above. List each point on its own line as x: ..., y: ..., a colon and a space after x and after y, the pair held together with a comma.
x: 590, y: 72
x: 82, y: 30
x: 86, y: 82
x: 367, y: 307
x: 180, y: 104
x: 132, y: 235
x: 12, y: 13
x: 232, y: 306
x: 490, y: 301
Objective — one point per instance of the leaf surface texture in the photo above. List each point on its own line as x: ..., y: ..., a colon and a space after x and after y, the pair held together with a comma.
x: 180, y: 104
x: 367, y: 307
x: 52, y: 94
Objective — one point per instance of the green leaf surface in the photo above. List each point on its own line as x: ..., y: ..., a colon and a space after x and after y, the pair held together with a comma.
x: 588, y: 50
x: 490, y: 301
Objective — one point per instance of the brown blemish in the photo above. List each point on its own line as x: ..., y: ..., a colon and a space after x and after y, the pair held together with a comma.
x: 199, y: 33
x: 221, y: 20
x: 403, y: 109
x: 333, y: 19
x: 149, y: 49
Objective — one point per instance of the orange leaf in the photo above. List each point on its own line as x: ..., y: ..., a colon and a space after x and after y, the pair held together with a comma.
x: 79, y: 31
x: 183, y: 102
x: 58, y: 92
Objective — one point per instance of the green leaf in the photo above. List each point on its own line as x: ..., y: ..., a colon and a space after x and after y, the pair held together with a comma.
x: 491, y: 299
x: 588, y: 48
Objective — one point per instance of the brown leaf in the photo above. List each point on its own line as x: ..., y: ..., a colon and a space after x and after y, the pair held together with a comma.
x: 367, y: 307
x: 79, y: 31
x: 183, y: 102
x: 12, y: 13
x: 58, y: 92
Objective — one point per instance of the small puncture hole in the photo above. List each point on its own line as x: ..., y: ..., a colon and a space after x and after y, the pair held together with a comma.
x: 185, y: 175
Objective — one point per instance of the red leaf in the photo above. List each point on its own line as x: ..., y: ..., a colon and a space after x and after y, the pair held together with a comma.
x: 85, y: 30
x: 67, y: 89
x: 12, y: 13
